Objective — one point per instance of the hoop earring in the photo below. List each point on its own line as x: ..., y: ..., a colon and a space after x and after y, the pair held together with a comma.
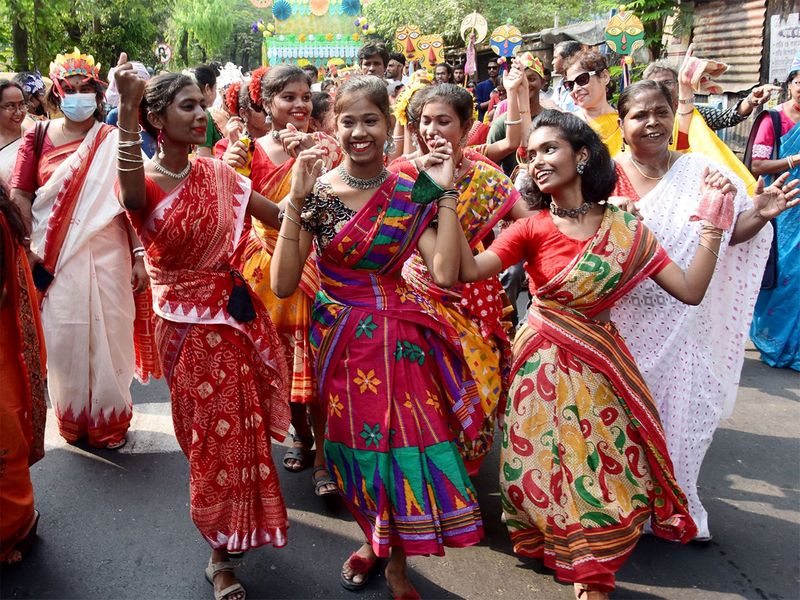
x: 580, y: 168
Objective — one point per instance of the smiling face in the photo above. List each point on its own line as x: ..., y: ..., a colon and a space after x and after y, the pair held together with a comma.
x: 551, y: 160
x: 440, y: 119
x: 647, y: 125
x: 292, y: 105
x: 591, y: 95
x: 184, y: 121
x: 362, y: 130
x: 12, y: 108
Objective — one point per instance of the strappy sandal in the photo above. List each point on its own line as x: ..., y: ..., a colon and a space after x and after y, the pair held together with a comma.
x: 359, y: 566
x: 300, y: 454
x: 324, y: 485
x: 213, y: 569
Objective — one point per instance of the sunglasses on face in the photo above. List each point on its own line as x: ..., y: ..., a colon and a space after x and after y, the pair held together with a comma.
x: 581, y: 80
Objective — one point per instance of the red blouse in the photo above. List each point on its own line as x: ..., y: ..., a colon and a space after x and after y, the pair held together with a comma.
x: 539, y: 242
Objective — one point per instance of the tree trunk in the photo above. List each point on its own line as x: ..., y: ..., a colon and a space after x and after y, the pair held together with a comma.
x: 19, y: 37
x: 183, y: 50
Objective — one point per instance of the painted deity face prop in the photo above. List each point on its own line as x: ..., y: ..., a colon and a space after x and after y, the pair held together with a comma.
x: 505, y: 40
x: 625, y: 33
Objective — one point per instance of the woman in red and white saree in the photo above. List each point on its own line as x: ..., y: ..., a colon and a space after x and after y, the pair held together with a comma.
x: 219, y: 349
x: 64, y: 182
x: 584, y: 459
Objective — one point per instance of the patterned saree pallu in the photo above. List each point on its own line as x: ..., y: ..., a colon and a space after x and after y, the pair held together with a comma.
x: 584, y: 460
x: 227, y: 378
x: 476, y: 310
x: 395, y: 386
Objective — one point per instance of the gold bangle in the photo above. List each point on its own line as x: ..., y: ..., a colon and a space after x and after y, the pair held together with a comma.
x: 292, y: 204
x: 686, y: 100
x: 286, y: 237
x: 288, y: 216
x: 790, y: 162
x: 710, y: 250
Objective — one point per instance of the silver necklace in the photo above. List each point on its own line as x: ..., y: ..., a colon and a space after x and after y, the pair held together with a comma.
x: 572, y: 213
x: 362, y: 184
x: 165, y: 171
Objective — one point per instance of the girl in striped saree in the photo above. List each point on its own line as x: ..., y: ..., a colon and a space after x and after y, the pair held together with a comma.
x: 390, y: 373
x: 584, y: 460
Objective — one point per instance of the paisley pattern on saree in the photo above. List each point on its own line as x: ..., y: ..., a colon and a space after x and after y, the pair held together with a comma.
x: 584, y: 460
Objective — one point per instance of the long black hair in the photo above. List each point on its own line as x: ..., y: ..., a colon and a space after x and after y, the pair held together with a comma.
x: 599, y: 176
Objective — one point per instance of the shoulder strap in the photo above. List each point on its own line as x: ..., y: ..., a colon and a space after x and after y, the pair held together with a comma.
x: 776, y: 131
x: 776, y: 124
x: 38, y: 140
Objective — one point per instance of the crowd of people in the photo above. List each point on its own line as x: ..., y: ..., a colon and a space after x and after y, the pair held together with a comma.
x: 342, y: 259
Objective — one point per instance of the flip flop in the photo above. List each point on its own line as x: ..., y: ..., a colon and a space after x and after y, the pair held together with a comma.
x: 320, y: 483
x: 360, y: 566
x: 300, y: 454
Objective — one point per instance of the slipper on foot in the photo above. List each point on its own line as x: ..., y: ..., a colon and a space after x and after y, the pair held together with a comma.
x: 359, y: 566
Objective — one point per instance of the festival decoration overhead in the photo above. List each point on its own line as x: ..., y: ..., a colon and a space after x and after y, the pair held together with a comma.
x: 431, y: 48
x: 474, y: 24
x: 624, y: 33
x: 314, y: 30
x: 282, y: 10
x: 406, y: 40
x: 261, y: 3
x: 505, y: 40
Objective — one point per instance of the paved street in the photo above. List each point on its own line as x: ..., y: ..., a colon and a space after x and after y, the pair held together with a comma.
x: 116, y: 524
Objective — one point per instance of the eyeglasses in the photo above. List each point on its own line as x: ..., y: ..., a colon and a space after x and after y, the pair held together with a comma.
x: 13, y: 107
x: 581, y: 80
x: 491, y: 68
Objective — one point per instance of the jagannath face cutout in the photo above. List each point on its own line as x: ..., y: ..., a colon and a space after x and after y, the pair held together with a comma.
x: 624, y: 33
x: 505, y: 40
x: 406, y: 40
x: 431, y: 49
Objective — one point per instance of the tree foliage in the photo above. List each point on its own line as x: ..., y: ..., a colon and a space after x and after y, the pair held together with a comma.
x: 102, y: 29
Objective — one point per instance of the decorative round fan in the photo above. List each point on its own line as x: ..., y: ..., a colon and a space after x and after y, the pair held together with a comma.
x: 474, y: 22
x: 281, y: 10
x: 319, y: 7
x: 351, y: 8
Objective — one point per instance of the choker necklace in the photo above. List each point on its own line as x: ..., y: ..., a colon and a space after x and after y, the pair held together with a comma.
x: 165, y: 171
x: 572, y: 213
x: 645, y: 175
x: 362, y: 184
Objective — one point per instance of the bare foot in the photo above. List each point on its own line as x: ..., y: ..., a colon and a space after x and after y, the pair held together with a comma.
x: 587, y: 592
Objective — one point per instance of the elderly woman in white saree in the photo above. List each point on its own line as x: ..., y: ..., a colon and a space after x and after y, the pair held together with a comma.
x: 63, y: 182
x: 690, y: 356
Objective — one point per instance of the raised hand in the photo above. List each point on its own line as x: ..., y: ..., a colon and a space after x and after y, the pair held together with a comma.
x: 772, y: 201
x: 305, y: 171
x: 760, y: 95
x: 685, y: 75
x: 513, y: 78
x: 129, y: 85
x: 438, y: 162
x: 294, y: 140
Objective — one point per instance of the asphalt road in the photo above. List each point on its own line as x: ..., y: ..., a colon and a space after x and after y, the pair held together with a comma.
x: 116, y: 524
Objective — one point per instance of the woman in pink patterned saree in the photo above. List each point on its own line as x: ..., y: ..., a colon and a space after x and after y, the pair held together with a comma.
x: 218, y: 347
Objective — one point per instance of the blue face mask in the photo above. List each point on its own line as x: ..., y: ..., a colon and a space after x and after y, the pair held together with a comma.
x: 78, y: 107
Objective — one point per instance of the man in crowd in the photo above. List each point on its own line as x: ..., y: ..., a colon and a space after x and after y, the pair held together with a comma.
x: 483, y: 91
x: 373, y: 58
x: 562, y: 52
x: 458, y: 74
x: 394, y: 70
